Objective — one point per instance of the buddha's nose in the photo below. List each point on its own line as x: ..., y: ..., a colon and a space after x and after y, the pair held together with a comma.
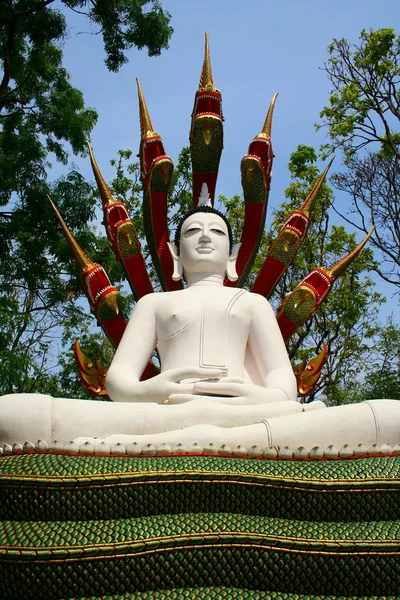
x: 205, y: 236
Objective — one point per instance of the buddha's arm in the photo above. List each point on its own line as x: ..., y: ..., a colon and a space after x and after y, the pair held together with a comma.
x: 135, y: 349
x: 269, y: 351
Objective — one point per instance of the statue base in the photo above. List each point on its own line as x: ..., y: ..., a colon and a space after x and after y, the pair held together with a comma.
x: 198, y: 527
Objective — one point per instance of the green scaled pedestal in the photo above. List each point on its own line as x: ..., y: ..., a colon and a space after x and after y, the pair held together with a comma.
x: 198, y: 527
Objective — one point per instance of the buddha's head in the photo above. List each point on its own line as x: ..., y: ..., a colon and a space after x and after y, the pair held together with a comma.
x: 203, y: 244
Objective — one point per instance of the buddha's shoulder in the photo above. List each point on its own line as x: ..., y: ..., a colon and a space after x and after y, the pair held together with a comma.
x: 160, y: 299
x: 256, y: 302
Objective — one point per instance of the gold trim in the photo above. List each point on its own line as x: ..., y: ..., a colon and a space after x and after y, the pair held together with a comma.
x: 309, y: 201
x: 199, y: 546
x: 307, y: 484
x: 104, y: 190
x: 267, y: 127
x: 146, y: 126
x: 341, y: 265
x: 206, y: 78
x: 182, y: 537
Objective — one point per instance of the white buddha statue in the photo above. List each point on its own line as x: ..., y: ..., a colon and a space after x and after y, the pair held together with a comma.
x: 225, y: 375
x: 213, y: 341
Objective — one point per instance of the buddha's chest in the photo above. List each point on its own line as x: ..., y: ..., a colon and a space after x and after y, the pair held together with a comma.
x: 208, y: 326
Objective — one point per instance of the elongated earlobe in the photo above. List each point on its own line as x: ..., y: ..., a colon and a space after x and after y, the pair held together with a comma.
x: 231, y: 266
x: 178, y: 269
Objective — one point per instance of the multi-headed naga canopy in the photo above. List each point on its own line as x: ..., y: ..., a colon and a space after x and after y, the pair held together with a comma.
x: 206, y: 144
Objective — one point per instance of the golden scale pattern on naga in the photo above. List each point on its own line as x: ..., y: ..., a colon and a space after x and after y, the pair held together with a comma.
x: 206, y: 144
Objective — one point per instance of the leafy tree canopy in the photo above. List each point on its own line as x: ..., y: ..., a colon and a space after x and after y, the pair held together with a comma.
x: 363, y: 121
x: 39, y: 108
x: 364, y: 104
x: 383, y: 372
x: 42, y: 118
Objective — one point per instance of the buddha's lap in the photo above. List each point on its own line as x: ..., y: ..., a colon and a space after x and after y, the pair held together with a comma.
x: 28, y: 417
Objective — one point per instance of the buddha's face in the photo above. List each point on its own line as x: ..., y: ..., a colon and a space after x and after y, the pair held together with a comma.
x: 204, y: 244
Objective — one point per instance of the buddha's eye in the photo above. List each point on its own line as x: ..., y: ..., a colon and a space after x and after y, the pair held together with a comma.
x: 192, y: 230
x: 218, y: 231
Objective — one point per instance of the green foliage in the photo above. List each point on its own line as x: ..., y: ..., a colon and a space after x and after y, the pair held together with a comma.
x: 33, y: 91
x: 364, y: 97
x: 301, y: 163
x: 364, y: 114
x: 125, y: 24
x: 383, y: 371
x: 42, y: 118
x: 380, y: 376
x: 39, y: 287
x: 39, y: 108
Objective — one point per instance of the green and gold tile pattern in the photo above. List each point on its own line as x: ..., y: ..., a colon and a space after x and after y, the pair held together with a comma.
x: 198, y: 527
x: 218, y: 593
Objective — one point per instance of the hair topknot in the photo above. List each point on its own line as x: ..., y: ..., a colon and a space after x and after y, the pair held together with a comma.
x: 202, y: 209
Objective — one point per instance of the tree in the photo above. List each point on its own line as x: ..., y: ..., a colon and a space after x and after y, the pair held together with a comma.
x: 39, y: 109
x: 363, y: 119
x: 383, y: 374
x: 38, y: 290
x: 42, y: 117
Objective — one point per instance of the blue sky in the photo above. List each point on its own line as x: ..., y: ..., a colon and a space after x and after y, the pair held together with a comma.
x: 257, y: 48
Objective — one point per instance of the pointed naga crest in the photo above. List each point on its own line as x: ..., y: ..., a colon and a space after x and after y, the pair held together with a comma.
x: 206, y: 132
x: 287, y: 243
x: 104, y: 298
x: 83, y: 262
x: 156, y: 169
x: 152, y: 151
x: 256, y: 168
x: 300, y: 305
x: 122, y: 236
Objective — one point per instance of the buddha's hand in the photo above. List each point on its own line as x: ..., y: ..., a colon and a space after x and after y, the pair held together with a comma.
x: 231, y: 391
x: 174, y: 382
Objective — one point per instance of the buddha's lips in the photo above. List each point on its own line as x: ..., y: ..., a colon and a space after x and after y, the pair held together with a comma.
x: 204, y: 249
